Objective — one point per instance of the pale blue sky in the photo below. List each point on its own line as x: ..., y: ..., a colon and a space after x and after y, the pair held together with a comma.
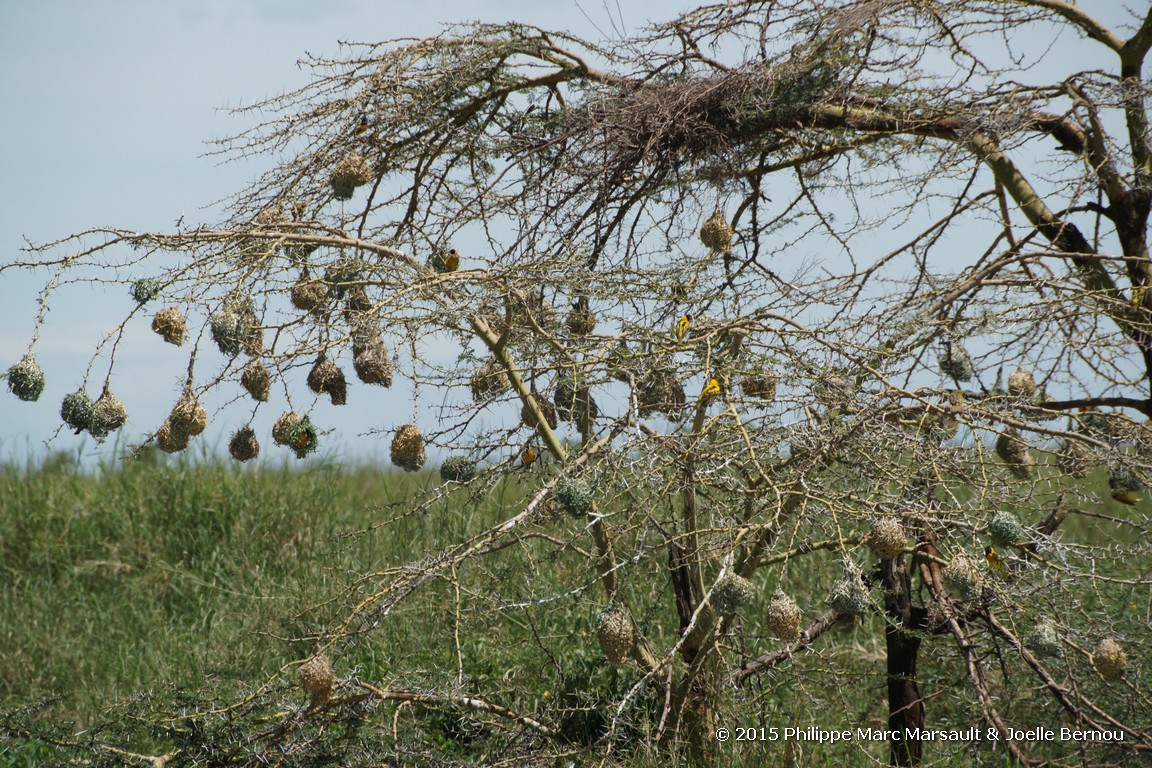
x: 108, y: 107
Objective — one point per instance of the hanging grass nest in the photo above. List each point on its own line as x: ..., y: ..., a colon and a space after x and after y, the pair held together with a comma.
x: 302, y: 438
x: 660, y: 392
x: 352, y: 171
x: 317, y: 679
x: 188, y: 416
x: 1015, y: 454
x: 169, y: 440
x: 356, y: 304
x: 533, y: 312
x: 546, y: 410
x: 444, y: 260
x: 1021, y: 383
x: 244, y: 446
x: 835, y: 391
x: 731, y: 593
x: 146, y: 289
x: 236, y: 327
x: 783, y: 617
x: 108, y: 414
x: 1044, y: 638
x: 77, y: 410
x: 256, y: 381
x: 1074, y: 459
x: 575, y: 404
x: 169, y: 323
x: 962, y: 576
x: 848, y: 596
x: 716, y: 233
x: 620, y: 364
x: 887, y: 538
x: 371, y: 361
x: 282, y: 429
x: 457, y: 469
x: 762, y: 386
x: 955, y: 362
x: 581, y: 321
x: 1006, y: 530
x: 615, y: 633
x: 309, y: 295
x: 490, y: 381
x: 327, y: 378
x: 25, y: 379
x: 575, y: 496
x: 1124, y: 485
x: 344, y: 275
x: 408, y: 448
x: 1110, y: 660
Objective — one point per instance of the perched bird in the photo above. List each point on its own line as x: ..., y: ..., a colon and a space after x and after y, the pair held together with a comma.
x: 451, y: 260
x: 1125, y: 496
x: 528, y: 457
x: 682, y: 326
x: 361, y: 126
x: 1138, y: 295
x: 994, y: 561
x: 711, y: 389
x: 298, y: 211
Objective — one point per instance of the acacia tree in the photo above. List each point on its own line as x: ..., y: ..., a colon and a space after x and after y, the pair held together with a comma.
x: 795, y: 307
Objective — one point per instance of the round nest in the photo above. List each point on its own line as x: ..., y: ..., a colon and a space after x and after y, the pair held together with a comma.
x: 169, y: 323
x: 25, y: 379
x: 887, y: 538
x: 955, y: 362
x: 575, y: 496
x: 716, y: 233
x: 783, y: 618
x: 1044, y: 638
x: 77, y: 410
x: 581, y: 321
x: 244, y: 446
x: 317, y: 679
x: 188, y: 416
x: 408, y: 448
x: 169, y: 440
x: 848, y: 596
x: 489, y: 381
x: 760, y: 386
x: 309, y: 295
x: 283, y: 427
x: 327, y: 378
x: 457, y: 469
x: 1074, y: 459
x: 545, y: 408
x: 731, y: 593
x: 1021, y: 383
x: 236, y: 329
x: 962, y: 576
x: 352, y: 171
x: 256, y: 381
x: 615, y: 633
x: 1110, y: 660
x: 659, y: 392
x: 303, y: 438
x: 143, y: 291
x: 371, y: 362
x: 1006, y: 530
x: 108, y: 414
x: 1015, y: 455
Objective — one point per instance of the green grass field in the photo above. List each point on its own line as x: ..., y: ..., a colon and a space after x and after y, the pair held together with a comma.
x: 142, y: 585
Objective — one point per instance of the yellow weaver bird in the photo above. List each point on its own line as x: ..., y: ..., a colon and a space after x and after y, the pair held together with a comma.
x: 528, y: 457
x: 1138, y: 295
x: 682, y: 327
x: 361, y: 126
x: 1126, y: 497
x: 711, y: 389
x: 451, y: 260
x: 994, y: 561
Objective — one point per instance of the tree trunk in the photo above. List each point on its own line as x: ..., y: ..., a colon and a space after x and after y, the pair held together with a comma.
x: 905, y: 706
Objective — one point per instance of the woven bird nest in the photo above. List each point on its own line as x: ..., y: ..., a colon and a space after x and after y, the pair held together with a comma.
x: 731, y: 593
x: 761, y: 386
x: 848, y: 596
x: 489, y: 381
x: 962, y: 576
x: 309, y: 295
x: 1021, y: 383
x: 25, y: 379
x: 1015, y: 454
x: 352, y: 171
x: 282, y: 429
x: 317, y: 679
x: 575, y: 496
x: 244, y: 446
x: 716, y: 233
x: 887, y: 538
x: 783, y: 617
x: 256, y: 381
x: 146, y: 289
x: 108, y: 414
x: 408, y: 448
x: 1110, y: 660
x: 371, y: 361
x: 169, y: 440
x: 545, y: 408
x: 188, y: 416
x: 169, y: 323
x: 236, y: 327
x: 615, y: 633
x: 1006, y: 530
x: 327, y: 378
x: 660, y: 392
x: 77, y: 410
x: 955, y: 362
x: 457, y: 469
x: 581, y: 321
